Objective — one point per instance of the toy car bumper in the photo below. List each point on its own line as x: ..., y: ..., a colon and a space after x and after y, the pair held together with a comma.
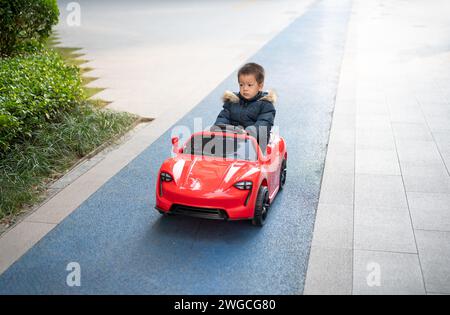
x: 238, y: 205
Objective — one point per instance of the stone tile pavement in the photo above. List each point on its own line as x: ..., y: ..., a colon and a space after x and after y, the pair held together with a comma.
x: 383, y: 221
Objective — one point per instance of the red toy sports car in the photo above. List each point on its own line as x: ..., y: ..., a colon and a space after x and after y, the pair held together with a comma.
x: 222, y: 174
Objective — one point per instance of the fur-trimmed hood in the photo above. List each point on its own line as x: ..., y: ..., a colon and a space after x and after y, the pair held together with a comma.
x: 232, y: 97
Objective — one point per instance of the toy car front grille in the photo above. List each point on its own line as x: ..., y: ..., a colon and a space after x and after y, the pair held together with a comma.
x: 206, y: 213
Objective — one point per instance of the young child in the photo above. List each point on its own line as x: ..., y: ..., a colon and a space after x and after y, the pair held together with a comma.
x: 251, y: 108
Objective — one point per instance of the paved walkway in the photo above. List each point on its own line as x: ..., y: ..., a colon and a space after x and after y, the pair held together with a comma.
x: 158, y: 57
x: 385, y: 201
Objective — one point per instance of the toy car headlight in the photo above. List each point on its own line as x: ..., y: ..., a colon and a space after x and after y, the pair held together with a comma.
x: 244, y: 185
x: 166, y: 177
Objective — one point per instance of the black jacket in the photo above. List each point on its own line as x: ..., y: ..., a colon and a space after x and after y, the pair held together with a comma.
x: 258, y: 112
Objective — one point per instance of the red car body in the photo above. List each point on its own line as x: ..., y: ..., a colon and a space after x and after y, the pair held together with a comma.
x: 193, y: 184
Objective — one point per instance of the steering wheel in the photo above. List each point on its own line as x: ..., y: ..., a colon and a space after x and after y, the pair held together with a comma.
x: 230, y: 128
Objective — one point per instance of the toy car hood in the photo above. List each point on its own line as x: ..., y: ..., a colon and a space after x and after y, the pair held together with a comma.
x: 208, y: 174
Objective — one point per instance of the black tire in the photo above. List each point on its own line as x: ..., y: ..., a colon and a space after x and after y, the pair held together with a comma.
x: 283, y: 173
x: 261, y: 207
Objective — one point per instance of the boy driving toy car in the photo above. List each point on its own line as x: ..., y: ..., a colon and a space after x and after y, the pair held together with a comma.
x: 251, y: 107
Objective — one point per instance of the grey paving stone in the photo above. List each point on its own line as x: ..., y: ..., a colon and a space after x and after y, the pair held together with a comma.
x: 401, y: 100
x: 411, y: 114
x: 345, y: 98
x: 438, y: 123
x: 430, y: 96
x: 427, y: 184
x: 430, y: 211
x: 342, y: 138
x: 434, y: 253
x: 374, y: 140
x: 343, y: 122
x: 334, y: 226
x: 384, y: 229
x: 337, y: 189
x: 329, y: 271
x: 446, y: 159
x: 411, y: 131
x: 418, y: 152
x: 436, y: 109
x: 398, y: 273
x: 413, y: 169
x: 442, y: 139
x: 379, y: 191
x: 340, y: 162
x: 382, y: 162
x: 372, y: 107
x: 373, y: 122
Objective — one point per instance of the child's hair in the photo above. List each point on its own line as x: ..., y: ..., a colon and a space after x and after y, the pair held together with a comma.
x: 252, y: 68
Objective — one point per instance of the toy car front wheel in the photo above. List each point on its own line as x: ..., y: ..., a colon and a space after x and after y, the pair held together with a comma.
x: 261, y: 206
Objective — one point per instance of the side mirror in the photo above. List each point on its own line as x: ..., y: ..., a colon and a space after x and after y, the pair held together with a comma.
x: 175, y: 148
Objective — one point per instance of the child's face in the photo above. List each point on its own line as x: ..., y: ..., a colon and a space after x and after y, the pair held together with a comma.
x: 248, y: 87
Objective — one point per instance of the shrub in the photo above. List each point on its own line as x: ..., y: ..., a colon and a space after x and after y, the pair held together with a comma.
x: 34, y: 89
x: 25, y: 23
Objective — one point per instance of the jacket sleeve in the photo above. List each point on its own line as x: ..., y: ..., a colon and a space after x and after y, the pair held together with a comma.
x: 266, y: 116
x: 224, y: 116
x: 263, y: 125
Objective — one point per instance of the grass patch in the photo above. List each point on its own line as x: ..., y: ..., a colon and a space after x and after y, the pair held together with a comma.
x: 84, y: 70
x: 87, y: 80
x: 77, y: 62
x: 69, y: 54
x: 91, y: 91
x: 99, y: 103
x: 28, y: 167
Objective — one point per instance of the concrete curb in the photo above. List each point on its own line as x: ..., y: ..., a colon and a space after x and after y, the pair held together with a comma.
x: 330, y: 268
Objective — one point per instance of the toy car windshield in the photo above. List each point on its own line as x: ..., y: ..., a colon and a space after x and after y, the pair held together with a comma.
x: 221, y: 147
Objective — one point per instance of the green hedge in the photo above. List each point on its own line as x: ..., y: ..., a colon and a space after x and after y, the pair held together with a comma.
x: 34, y: 89
x: 25, y: 24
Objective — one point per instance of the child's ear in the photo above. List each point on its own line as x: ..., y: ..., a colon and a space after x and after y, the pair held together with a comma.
x: 261, y: 86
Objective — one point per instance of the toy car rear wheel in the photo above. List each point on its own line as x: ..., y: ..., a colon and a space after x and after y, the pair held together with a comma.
x: 261, y: 206
x: 283, y: 173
